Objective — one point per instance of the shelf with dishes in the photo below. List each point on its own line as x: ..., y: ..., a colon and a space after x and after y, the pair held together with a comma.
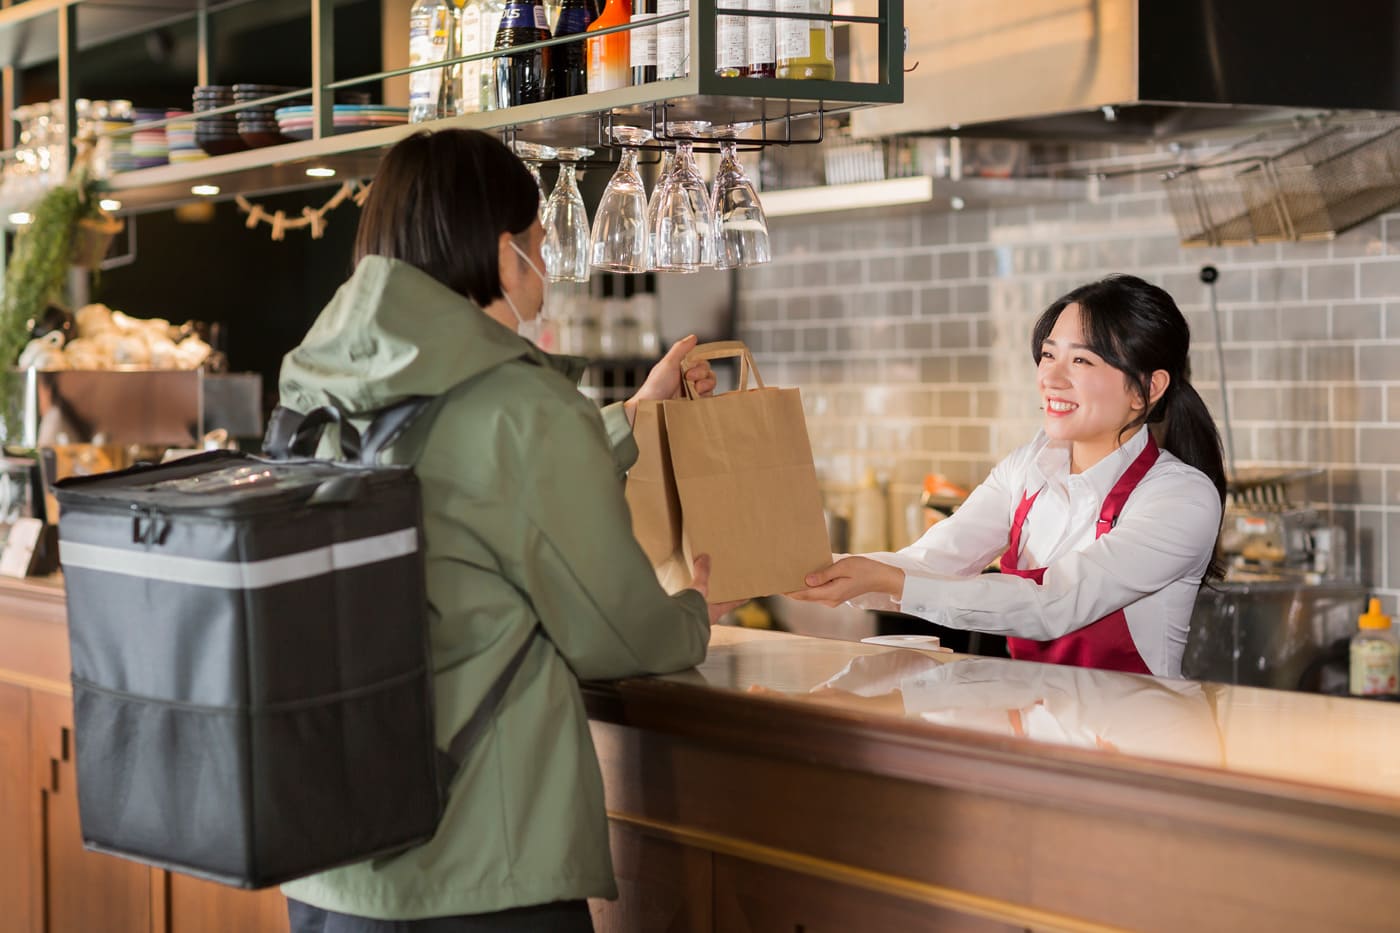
x: 777, y: 110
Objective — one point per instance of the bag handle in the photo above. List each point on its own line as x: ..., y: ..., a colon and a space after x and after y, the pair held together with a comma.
x: 721, y: 350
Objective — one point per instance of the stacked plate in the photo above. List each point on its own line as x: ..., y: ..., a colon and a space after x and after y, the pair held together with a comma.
x: 149, y: 147
x: 180, y: 138
x: 257, y: 125
x: 216, y: 135
x: 295, y: 122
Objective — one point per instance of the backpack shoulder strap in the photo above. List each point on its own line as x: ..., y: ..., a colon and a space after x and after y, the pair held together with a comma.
x: 455, y: 755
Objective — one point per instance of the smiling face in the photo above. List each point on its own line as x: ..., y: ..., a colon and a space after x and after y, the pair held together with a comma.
x: 1086, y: 401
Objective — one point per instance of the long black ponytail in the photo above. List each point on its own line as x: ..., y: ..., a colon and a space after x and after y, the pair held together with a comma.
x: 1137, y: 329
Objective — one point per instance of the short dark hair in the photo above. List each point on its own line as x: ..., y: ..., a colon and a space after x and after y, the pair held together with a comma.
x: 441, y: 201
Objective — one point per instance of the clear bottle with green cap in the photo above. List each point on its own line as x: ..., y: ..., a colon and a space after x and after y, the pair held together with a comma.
x: 1375, y: 655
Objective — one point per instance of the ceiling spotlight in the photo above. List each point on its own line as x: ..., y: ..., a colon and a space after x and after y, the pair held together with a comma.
x: 205, y: 191
x: 110, y: 204
x: 20, y: 218
x: 957, y: 203
x: 320, y: 171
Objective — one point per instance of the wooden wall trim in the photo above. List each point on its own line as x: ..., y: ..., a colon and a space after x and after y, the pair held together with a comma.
x: 963, y: 902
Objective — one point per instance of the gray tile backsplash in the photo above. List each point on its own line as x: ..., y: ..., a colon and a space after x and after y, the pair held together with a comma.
x: 908, y: 335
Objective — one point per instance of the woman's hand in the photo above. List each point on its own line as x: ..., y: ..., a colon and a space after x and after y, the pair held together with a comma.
x: 664, y: 380
x: 851, y: 577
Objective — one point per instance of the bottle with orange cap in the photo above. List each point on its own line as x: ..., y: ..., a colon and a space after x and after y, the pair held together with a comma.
x: 1375, y: 655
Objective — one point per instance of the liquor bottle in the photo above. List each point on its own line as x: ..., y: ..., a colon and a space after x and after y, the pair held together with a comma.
x: 610, y: 57
x: 672, y: 41
x: 520, y: 77
x: 430, y: 26
x: 491, y: 13
x: 568, y: 64
x: 731, y: 44
x: 469, y: 42
x: 805, y: 46
x: 762, y: 42
x: 643, y: 43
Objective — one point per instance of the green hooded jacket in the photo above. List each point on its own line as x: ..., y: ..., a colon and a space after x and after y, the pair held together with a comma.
x: 528, y: 537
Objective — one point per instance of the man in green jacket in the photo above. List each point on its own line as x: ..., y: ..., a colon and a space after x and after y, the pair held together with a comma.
x: 528, y: 539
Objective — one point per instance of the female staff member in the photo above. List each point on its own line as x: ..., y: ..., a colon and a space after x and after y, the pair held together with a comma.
x: 1105, y: 527
x: 528, y: 542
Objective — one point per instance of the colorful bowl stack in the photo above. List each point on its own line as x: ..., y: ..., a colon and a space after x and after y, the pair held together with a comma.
x: 179, y: 137
x: 149, y: 146
x: 295, y: 122
x: 216, y: 135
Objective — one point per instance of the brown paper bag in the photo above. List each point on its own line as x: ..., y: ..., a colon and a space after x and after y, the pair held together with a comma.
x: 651, y: 489
x: 742, y: 464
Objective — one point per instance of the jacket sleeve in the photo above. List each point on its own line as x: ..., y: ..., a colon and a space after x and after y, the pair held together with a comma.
x: 592, y: 587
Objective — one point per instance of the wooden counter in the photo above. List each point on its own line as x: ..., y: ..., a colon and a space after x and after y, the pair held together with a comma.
x: 867, y: 788
x: 796, y: 784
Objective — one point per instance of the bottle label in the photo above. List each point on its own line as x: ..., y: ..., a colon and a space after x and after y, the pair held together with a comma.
x: 471, y: 43
x: 731, y: 42
x: 794, y: 35
x: 762, y: 37
x: 643, y: 42
x: 672, y: 45
x: 524, y: 16
x: 423, y: 86
x: 1375, y: 668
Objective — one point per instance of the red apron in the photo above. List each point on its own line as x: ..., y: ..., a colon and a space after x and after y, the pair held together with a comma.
x: 1106, y: 644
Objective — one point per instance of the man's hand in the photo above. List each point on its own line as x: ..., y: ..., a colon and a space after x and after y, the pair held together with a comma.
x: 700, y: 581
x: 664, y: 380
x: 848, y: 578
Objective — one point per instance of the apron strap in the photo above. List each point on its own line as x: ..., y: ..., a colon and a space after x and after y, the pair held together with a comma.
x: 1118, y: 495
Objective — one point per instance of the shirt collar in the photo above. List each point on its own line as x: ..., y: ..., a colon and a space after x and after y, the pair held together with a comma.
x: 1050, y: 465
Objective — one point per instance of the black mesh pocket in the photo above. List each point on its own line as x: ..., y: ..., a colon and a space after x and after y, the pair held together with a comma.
x: 163, y: 782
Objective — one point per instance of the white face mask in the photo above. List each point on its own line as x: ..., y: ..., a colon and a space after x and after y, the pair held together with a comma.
x: 529, y: 329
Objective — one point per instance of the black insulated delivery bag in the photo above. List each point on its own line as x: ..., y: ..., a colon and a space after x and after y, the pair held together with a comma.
x: 251, y: 675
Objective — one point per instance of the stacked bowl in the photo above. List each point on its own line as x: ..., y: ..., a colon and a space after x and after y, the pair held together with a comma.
x: 218, y: 134
x: 257, y: 124
x: 149, y: 147
x: 180, y: 138
x: 295, y: 122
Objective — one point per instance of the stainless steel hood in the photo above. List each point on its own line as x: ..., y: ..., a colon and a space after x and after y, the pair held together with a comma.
x: 1136, y: 69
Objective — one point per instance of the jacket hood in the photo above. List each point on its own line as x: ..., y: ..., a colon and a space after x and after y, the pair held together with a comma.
x: 393, y: 331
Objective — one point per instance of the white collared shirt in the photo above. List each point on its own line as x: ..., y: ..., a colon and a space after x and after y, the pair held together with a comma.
x: 1149, y: 565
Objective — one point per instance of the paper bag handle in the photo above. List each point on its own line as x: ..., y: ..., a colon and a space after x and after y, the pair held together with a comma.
x: 722, y: 350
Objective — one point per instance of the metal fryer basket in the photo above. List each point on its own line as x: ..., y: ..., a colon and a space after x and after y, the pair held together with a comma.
x: 1281, y: 185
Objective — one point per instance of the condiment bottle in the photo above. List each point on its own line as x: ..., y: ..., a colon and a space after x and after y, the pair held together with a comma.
x: 870, y: 517
x: 1375, y: 655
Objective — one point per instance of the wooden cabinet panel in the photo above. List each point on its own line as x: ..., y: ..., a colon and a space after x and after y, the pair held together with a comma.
x: 81, y: 891
x: 663, y: 887
x: 16, y: 847
x: 196, y: 906
x: 753, y: 898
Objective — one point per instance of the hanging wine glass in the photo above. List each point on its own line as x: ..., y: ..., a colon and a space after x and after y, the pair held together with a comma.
x: 668, y: 162
x: 532, y: 154
x: 740, y: 225
x: 620, y: 240
x: 684, y: 227
x: 566, y: 236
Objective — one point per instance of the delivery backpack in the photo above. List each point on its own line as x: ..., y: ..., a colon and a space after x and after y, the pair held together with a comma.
x: 252, y: 686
